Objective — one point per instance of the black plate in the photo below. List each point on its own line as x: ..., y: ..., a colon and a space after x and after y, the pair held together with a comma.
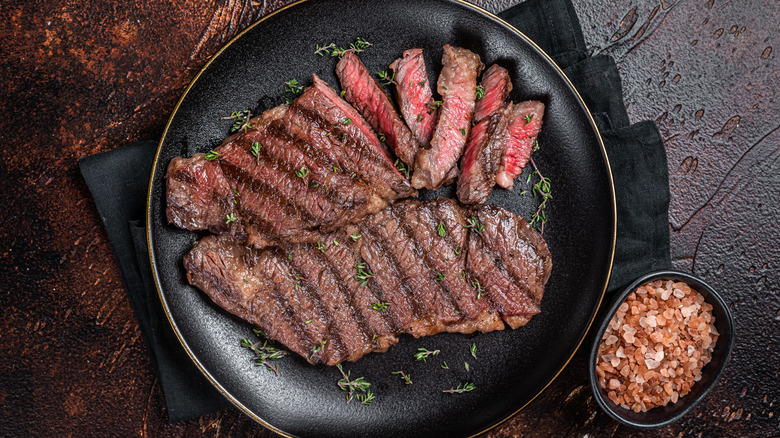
x: 513, y: 366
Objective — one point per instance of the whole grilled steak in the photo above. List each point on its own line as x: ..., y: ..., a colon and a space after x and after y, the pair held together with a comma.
x: 496, y: 86
x: 480, y: 162
x: 416, y: 267
x: 525, y: 122
x: 414, y: 95
x: 457, y: 84
x: 365, y: 94
x: 306, y: 169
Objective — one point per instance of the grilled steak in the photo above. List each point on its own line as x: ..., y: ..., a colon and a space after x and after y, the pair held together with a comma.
x: 483, y: 155
x: 435, y: 164
x: 497, y: 85
x: 359, y: 287
x: 365, y: 93
x: 306, y: 169
x: 414, y: 96
x: 524, y: 126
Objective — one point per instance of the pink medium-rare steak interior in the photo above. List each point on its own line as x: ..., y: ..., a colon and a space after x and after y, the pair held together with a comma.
x: 414, y: 96
x: 371, y: 100
x: 457, y: 85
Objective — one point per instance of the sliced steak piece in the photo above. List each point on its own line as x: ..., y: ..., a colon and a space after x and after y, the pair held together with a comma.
x: 415, y: 267
x: 511, y: 261
x: 199, y: 196
x: 457, y: 85
x: 524, y: 126
x: 368, y: 96
x: 414, y: 96
x: 299, y: 171
x: 496, y: 85
x: 483, y: 155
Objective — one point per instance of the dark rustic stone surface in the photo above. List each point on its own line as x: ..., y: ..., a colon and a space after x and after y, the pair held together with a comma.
x: 84, y: 77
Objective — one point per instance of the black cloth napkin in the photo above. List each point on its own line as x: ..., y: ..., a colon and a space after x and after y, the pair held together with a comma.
x: 118, y: 181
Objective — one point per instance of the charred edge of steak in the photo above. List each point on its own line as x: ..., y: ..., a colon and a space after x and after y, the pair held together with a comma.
x: 414, y: 96
x: 457, y: 84
x: 345, y: 297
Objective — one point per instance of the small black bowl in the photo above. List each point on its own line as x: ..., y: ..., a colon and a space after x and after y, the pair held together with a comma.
x: 664, y: 415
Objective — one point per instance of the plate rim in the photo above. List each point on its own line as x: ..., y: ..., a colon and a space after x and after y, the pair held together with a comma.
x: 148, y: 219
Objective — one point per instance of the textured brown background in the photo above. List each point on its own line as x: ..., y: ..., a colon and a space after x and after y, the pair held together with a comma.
x: 80, y: 77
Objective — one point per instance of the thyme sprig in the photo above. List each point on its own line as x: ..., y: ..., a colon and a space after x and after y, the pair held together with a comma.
x: 407, y: 378
x: 435, y: 104
x: 363, y: 274
x: 480, y: 92
x: 423, y: 353
x: 381, y: 307
x: 402, y: 167
x: 317, y: 348
x: 386, y: 77
x: 473, y: 350
x: 293, y: 86
x: 354, y: 387
x: 331, y: 49
x: 355, y: 236
x: 256, y: 146
x: 528, y: 117
x: 461, y: 388
x: 478, y: 287
x: 241, y: 121
x: 211, y: 155
x: 474, y: 224
x: 230, y: 218
x: 264, y: 351
x: 542, y: 189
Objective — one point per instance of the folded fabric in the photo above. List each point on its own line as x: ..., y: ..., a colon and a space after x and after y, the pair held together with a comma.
x: 118, y: 181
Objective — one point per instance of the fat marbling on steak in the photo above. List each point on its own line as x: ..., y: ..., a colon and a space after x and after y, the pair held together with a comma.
x: 416, y: 267
x: 437, y: 164
x: 299, y: 171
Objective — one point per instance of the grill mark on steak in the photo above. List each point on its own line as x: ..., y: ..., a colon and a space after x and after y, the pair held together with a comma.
x: 302, y: 303
x: 284, y: 206
x: 457, y: 85
x: 331, y: 259
x: 478, y: 314
x: 414, y: 96
x: 404, y: 252
x: 446, y: 305
x: 407, y: 311
x: 372, y: 101
x: 341, y: 260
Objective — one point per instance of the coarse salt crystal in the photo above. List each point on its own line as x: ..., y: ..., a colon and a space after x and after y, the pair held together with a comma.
x: 652, y: 364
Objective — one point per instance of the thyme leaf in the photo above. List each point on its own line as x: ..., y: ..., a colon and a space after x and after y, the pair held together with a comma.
x: 461, y: 388
x: 423, y: 353
x: 407, y: 378
x: 353, y: 387
x: 441, y: 230
x: 386, y: 77
x: 480, y: 92
x: 264, y: 351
